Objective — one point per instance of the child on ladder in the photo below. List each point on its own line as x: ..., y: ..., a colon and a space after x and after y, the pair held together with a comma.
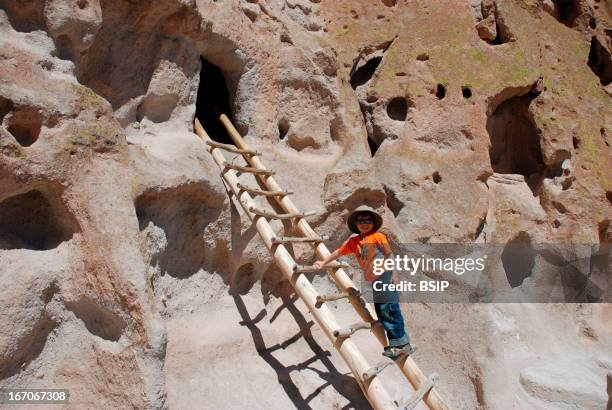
x: 368, y: 245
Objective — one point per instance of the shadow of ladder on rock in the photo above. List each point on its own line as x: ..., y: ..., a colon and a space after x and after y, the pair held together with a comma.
x: 365, y: 374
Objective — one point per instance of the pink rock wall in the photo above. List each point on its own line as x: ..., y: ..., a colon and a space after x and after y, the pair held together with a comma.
x: 131, y: 279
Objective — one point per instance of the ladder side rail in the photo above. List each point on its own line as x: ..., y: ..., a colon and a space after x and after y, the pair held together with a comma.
x: 373, y: 390
x: 408, y: 366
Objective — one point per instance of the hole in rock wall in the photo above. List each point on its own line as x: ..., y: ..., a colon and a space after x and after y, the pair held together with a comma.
x: 364, y: 68
x: 98, y: 320
x: 34, y: 221
x: 183, y: 213
x: 283, y: 128
x: 490, y: 23
x: 515, y: 144
x: 373, y: 145
x: 440, y: 91
x: 64, y: 48
x: 466, y: 92
x: 518, y: 259
x: 600, y: 61
x: 480, y: 228
x: 567, y: 11
x: 24, y: 124
x: 397, y: 109
x: 364, y: 73
x: 389, y: 3
x: 213, y: 99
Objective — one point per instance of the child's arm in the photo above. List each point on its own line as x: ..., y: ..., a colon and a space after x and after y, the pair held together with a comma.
x: 389, y: 254
x: 329, y: 258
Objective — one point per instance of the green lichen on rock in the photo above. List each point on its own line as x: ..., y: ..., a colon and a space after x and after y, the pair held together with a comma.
x: 101, y: 136
x: 87, y: 97
x: 12, y: 150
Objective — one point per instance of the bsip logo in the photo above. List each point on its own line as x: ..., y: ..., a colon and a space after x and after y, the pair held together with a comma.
x: 433, y: 285
x: 408, y: 286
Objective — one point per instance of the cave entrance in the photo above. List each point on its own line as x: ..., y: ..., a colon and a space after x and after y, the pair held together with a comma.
x: 515, y: 144
x: 34, y: 221
x: 365, y: 73
x: 600, y: 61
x: 567, y: 11
x: 213, y: 99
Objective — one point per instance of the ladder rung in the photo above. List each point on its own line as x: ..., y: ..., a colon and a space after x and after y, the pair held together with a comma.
x: 262, y: 192
x: 348, y: 331
x: 231, y: 148
x: 376, y: 369
x: 251, y: 170
x: 311, y: 268
x: 426, y: 386
x: 283, y: 239
x: 350, y: 293
x: 259, y: 212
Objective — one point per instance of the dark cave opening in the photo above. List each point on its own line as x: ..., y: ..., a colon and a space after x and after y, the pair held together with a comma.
x: 283, y: 128
x: 65, y: 48
x: 364, y: 73
x: 213, y: 99
x: 515, y: 143
x: 567, y: 11
x: 397, y: 109
x: 600, y: 61
x: 373, y: 146
x: 440, y: 91
x: 24, y: 123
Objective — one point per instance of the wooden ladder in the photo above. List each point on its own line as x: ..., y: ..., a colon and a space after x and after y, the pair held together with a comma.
x: 340, y: 336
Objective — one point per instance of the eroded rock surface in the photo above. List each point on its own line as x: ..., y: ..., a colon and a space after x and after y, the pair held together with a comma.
x: 132, y: 278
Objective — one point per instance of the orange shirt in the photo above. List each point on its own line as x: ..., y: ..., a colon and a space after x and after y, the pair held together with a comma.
x: 365, y: 251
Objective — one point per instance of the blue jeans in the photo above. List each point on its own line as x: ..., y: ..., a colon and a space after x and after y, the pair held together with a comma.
x: 389, y: 313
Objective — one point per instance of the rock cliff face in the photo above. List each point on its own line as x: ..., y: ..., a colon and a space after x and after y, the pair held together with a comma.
x: 130, y: 277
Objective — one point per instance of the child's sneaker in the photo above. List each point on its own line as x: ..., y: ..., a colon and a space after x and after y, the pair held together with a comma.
x: 395, y: 352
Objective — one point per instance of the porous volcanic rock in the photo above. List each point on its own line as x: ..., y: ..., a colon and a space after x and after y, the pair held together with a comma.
x: 131, y: 277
